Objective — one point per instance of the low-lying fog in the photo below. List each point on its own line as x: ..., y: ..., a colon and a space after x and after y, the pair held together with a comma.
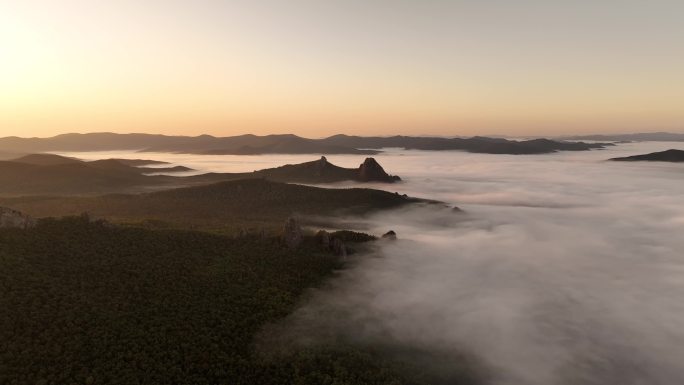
x: 564, y: 269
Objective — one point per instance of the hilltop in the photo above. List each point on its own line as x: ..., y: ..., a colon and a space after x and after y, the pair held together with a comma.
x: 671, y: 155
x: 322, y: 171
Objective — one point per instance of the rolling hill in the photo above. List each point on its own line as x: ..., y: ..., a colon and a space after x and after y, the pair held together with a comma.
x: 671, y: 155
x: 47, y: 174
x: 226, y: 206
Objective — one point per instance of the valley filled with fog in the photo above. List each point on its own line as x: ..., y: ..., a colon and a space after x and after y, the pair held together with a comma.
x: 563, y: 268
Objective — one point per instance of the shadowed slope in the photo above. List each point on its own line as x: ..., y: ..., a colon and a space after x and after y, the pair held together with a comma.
x: 225, y: 205
x: 47, y: 174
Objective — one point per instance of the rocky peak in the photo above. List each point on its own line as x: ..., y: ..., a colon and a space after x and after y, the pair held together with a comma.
x: 371, y: 171
x: 321, y: 165
x: 12, y: 218
x: 292, y: 233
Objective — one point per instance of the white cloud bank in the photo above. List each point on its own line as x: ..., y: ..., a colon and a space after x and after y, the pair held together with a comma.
x: 565, y: 269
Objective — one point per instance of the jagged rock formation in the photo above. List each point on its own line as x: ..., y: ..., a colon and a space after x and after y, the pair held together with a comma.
x: 14, y: 219
x: 292, y: 233
x: 322, y: 171
x: 391, y: 235
x: 332, y: 243
x: 370, y: 170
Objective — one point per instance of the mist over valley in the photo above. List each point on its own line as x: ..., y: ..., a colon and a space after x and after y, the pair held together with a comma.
x: 562, y: 268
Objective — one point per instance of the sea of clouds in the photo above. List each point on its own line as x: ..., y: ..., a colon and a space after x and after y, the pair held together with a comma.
x: 563, y: 268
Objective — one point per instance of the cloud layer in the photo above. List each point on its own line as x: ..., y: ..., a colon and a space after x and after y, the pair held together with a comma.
x: 564, y: 270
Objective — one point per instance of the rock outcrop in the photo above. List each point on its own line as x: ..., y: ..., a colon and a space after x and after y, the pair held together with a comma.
x: 292, y: 233
x: 391, y: 235
x: 14, y: 219
x: 322, y: 171
x: 338, y: 247
x: 371, y: 171
x: 332, y: 243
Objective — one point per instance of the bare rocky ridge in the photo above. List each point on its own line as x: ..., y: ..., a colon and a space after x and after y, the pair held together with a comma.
x: 370, y: 170
x: 322, y: 171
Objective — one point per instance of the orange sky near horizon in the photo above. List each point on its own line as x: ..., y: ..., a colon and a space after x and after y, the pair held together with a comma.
x: 358, y: 67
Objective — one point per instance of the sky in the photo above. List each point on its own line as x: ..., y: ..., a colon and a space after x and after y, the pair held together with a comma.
x: 317, y: 68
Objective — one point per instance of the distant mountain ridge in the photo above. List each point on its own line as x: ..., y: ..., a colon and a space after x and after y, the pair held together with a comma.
x: 282, y: 144
x: 637, y: 137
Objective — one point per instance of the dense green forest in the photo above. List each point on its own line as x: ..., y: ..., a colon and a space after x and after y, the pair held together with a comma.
x: 90, y: 303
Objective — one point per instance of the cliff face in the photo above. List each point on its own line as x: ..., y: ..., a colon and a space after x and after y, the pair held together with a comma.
x: 371, y: 171
x: 14, y: 219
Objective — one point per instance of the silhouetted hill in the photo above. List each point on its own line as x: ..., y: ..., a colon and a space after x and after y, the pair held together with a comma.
x: 662, y: 156
x: 77, y: 178
x: 271, y: 144
x: 475, y: 144
x: 226, y: 205
x: 46, y: 174
x: 282, y: 144
x: 638, y: 137
x: 45, y: 160
x: 40, y: 174
x: 322, y: 171
x: 139, y: 162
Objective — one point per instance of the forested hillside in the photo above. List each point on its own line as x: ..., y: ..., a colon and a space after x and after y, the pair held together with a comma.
x: 88, y: 303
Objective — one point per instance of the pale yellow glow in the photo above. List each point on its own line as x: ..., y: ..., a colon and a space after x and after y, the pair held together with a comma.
x: 448, y: 68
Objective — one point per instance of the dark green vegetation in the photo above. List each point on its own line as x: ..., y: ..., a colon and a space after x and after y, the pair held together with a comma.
x: 352, y: 236
x: 662, y: 156
x: 47, y: 174
x: 89, y: 303
x: 282, y: 144
x: 225, y: 207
